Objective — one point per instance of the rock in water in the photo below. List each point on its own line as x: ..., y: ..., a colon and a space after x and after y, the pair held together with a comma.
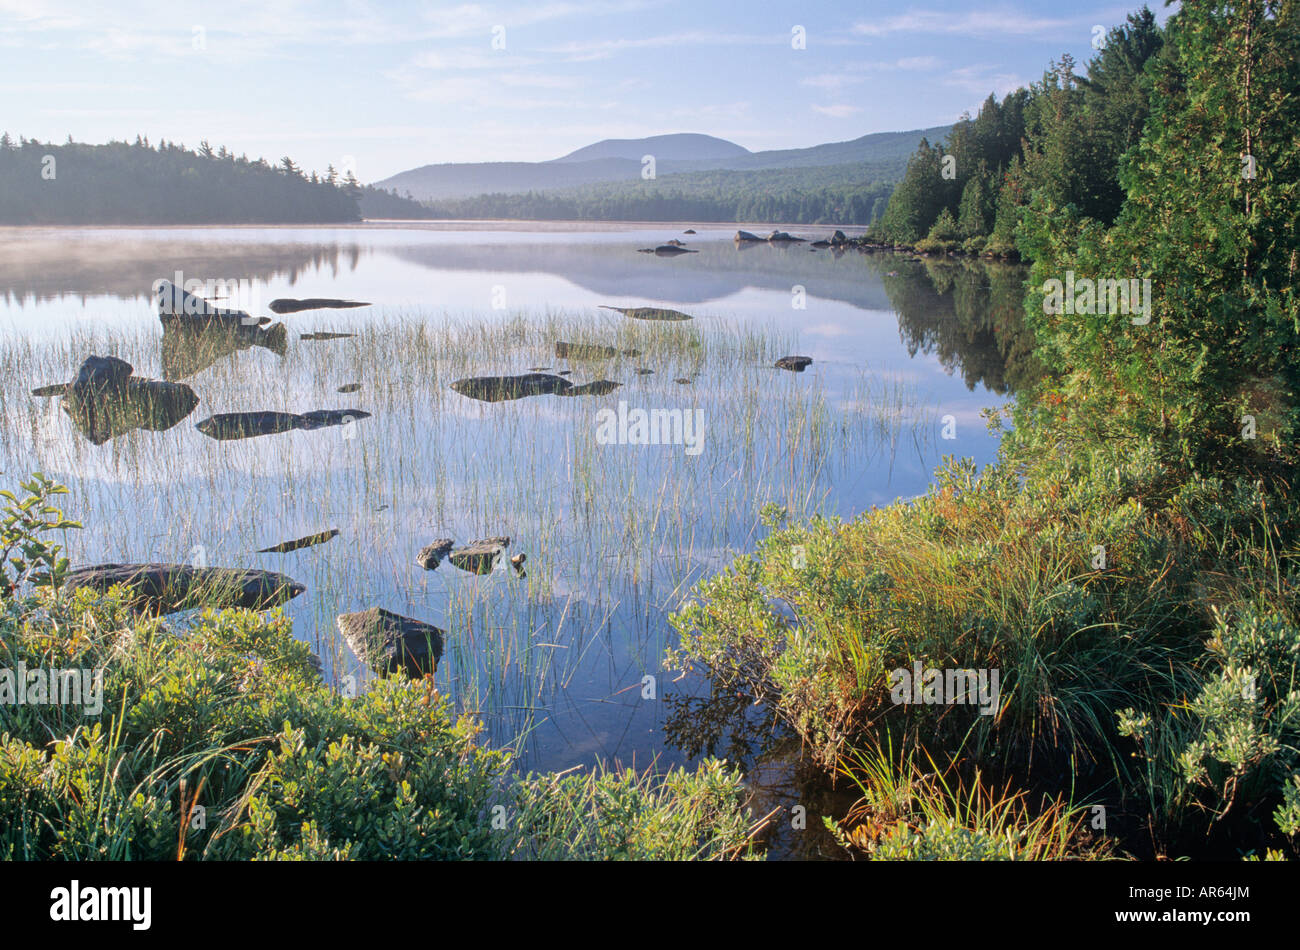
x: 349, y: 388
x: 197, y: 333
x: 310, y: 540
x: 672, y: 250
x: 320, y: 418
x: 325, y: 335
x: 501, y: 388
x: 796, y: 364
x: 689, y: 231
x: 166, y: 588
x: 583, y: 351
x: 839, y: 238
x: 480, y: 557
x: 106, y: 401
x: 782, y: 237
x: 388, y: 642
x: 649, y: 313
x: 746, y: 236
x: 227, y: 426
x: 292, y: 305
x: 431, y: 555
x: 601, y: 387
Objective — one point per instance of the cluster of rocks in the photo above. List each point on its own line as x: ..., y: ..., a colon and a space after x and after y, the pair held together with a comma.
x: 478, y: 557
x: 776, y: 237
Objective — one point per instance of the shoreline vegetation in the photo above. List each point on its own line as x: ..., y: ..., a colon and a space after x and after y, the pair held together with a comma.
x: 1129, y: 565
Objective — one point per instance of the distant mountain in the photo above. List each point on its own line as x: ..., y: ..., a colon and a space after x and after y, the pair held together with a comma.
x: 614, y: 160
x: 684, y: 146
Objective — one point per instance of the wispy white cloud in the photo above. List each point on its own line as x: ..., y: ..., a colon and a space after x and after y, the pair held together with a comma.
x: 842, y: 111
x: 860, y: 72
x: 1004, y: 21
x: 983, y: 79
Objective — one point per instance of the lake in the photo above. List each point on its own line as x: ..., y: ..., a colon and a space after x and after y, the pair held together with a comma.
x: 906, y: 353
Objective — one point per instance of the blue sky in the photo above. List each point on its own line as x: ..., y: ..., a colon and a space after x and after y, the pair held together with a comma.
x: 386, y: 87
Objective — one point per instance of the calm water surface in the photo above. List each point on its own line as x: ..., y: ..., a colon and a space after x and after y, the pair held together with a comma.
x: 615, y: 535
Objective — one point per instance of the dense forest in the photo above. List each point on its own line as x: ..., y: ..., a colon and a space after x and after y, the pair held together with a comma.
x: 167, y: 183
x: 1062, y: 139
x: 854, y: 193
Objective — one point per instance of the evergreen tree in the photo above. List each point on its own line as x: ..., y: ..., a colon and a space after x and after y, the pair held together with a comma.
x: 1212, y: 219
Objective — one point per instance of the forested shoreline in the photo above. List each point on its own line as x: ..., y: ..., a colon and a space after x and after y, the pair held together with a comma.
x: 138, y: 183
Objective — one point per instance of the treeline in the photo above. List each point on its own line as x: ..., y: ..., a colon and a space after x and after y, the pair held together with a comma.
x: 837, y: 194
x: 139, y: 183
x: 1062, y: 140
x: 378, y: 203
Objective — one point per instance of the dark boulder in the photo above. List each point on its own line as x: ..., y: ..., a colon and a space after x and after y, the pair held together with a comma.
x: 388, y: 642
x: 166, y: 588
x: 106, y: 401
x: 480, y: 557
x: 583, y: 351
x: 292, y: 305
x: 310, y: 540
x: 742, y: 236
x: 649, y: 313
x: 796, y: 364
x: 227, y: 426
x: 431, y: 555
x: 197, y: 333
x: 501, y: 388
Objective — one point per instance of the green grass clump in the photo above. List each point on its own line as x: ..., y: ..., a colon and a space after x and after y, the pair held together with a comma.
x: 1118, y: 668
x: 218, y: 739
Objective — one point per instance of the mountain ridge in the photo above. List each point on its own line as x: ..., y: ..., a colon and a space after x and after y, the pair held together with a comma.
x: 452, y: 180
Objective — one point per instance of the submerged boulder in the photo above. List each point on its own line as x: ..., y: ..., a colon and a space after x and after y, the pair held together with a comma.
x: 795, y: 364
x: 388, y: 642
x: 309, y: 541
x: 431, y: 555
x: 650, y: 313
x: 502, y: 388
x: 666, y: 250
x: 583, y: 351
x: 106, y: 401
x: 228, y: 426
x: 778, y: 237
x: 166, y: 588
x: 197, y: 333
x: 293, y: 305
x: 742, y: 236
x: 481, y: 557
